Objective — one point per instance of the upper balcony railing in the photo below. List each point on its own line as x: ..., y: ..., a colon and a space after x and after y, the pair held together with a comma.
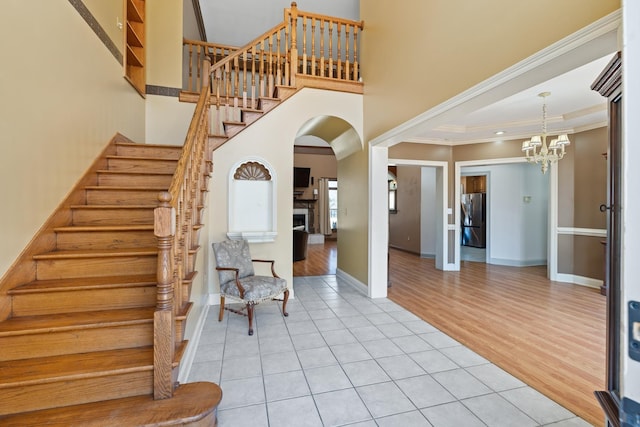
x: 305, y: 45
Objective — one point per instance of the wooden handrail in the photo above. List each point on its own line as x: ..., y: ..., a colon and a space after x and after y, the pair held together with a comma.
x: 175, y: 221
x: 195, y: 52
x: 294, y: 47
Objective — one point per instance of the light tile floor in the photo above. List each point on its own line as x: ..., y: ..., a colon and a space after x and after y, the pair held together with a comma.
x: 341, y: 358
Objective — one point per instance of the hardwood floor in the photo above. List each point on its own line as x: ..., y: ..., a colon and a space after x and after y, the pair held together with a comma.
x: 550, y: 335
x: 321, y: 260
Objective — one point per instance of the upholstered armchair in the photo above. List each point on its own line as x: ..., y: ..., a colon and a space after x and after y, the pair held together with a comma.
x: 239, y: 282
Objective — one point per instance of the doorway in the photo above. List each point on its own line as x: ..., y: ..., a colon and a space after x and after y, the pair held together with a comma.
x: 516, y: 212
x: 473, y: 214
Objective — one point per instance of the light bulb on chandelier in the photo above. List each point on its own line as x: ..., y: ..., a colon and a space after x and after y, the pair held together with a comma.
x: 536, y: 149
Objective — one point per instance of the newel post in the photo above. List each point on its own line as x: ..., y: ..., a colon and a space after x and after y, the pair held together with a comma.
x: 164, y: 229
x: 206, y: 72
x: 294, y: 42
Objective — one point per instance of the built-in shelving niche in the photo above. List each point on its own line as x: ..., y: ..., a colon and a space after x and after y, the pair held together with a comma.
x: 134, y: 40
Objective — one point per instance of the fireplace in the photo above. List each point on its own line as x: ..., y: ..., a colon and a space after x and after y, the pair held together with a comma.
x: 301, y: 219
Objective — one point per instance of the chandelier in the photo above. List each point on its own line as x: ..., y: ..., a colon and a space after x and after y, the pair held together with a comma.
x: 536, y: 149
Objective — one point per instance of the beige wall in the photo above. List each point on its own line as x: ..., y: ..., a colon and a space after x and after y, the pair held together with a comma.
x: 164, y: 43
x: 353, y: 214
x: 582, y: 178
x: 63, y: 98
x: 404, y: 226
x: 109, y: 13
x: 276, y: 135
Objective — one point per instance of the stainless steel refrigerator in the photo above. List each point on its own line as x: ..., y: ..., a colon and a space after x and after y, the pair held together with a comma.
x: 474, y: 228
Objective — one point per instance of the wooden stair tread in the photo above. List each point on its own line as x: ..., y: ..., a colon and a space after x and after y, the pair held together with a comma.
x: 190, y: 403
x: 230, y: 122
x: 251, y: 110
x: 113, y: 206
x: 74, y: 366
x: 138, y: 145
x: 120, y: 188
x: 72, y: 228
x: 84, y: 283
x: 97, y: 253
x: 124, y: 172
x: 160, y: 159
x: 70, y: 321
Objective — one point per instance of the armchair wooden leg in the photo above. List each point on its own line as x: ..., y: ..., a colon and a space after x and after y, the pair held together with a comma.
x: 221, y: 315
x: 284, y: 303
x: 250, y: 315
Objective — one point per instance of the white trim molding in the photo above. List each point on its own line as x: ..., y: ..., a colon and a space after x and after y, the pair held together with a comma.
x: 353, y: 282
x: 190, y: 352
x: 578, y: 280
x: 591, y: 232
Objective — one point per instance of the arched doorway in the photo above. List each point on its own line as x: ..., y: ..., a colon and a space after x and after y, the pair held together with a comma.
x: 320, y: 144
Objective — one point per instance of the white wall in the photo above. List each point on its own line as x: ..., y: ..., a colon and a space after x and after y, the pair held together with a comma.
x: 516, y: 230
x: 272, y: 140
x: 631, y: 175
x: 428, y: 211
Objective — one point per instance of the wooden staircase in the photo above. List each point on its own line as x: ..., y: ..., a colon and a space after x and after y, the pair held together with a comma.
x: 93, y: 313
x: 77, y: 345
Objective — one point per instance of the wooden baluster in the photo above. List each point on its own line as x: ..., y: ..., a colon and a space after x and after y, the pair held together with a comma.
x: 163, y: 318
x: 330, y: 73
x: 346, y: 52
x: 304, y: 46
x: 227, y: 78
x: 322, y: 48
x: 198, y: 70
x: 339, y: 53
x: 313, y: 46
x: 278, y: 58
x: 253, y: 77
x: 245, y: 76
x: 270, y: 87
x: 261, y: 79
x: 236, y: 77
x: 294, y: 43
x: 287, y: 50
x: 218, y: 79
x: 355, y: 54
x: 189, y: 81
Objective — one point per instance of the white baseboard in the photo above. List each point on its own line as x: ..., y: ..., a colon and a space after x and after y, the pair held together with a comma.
x: 190, y: 352
x: 352, y: 281
x: 517, y: 262
x: 423, y: 255
x: 579, y: 280
x: 214, y: 299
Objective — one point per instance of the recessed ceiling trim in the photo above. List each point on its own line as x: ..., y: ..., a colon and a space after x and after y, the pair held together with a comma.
x: 526, y: 73
x: 585, y: 111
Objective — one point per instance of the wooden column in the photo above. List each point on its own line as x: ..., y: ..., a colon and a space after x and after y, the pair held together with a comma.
x: 163, y: 319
